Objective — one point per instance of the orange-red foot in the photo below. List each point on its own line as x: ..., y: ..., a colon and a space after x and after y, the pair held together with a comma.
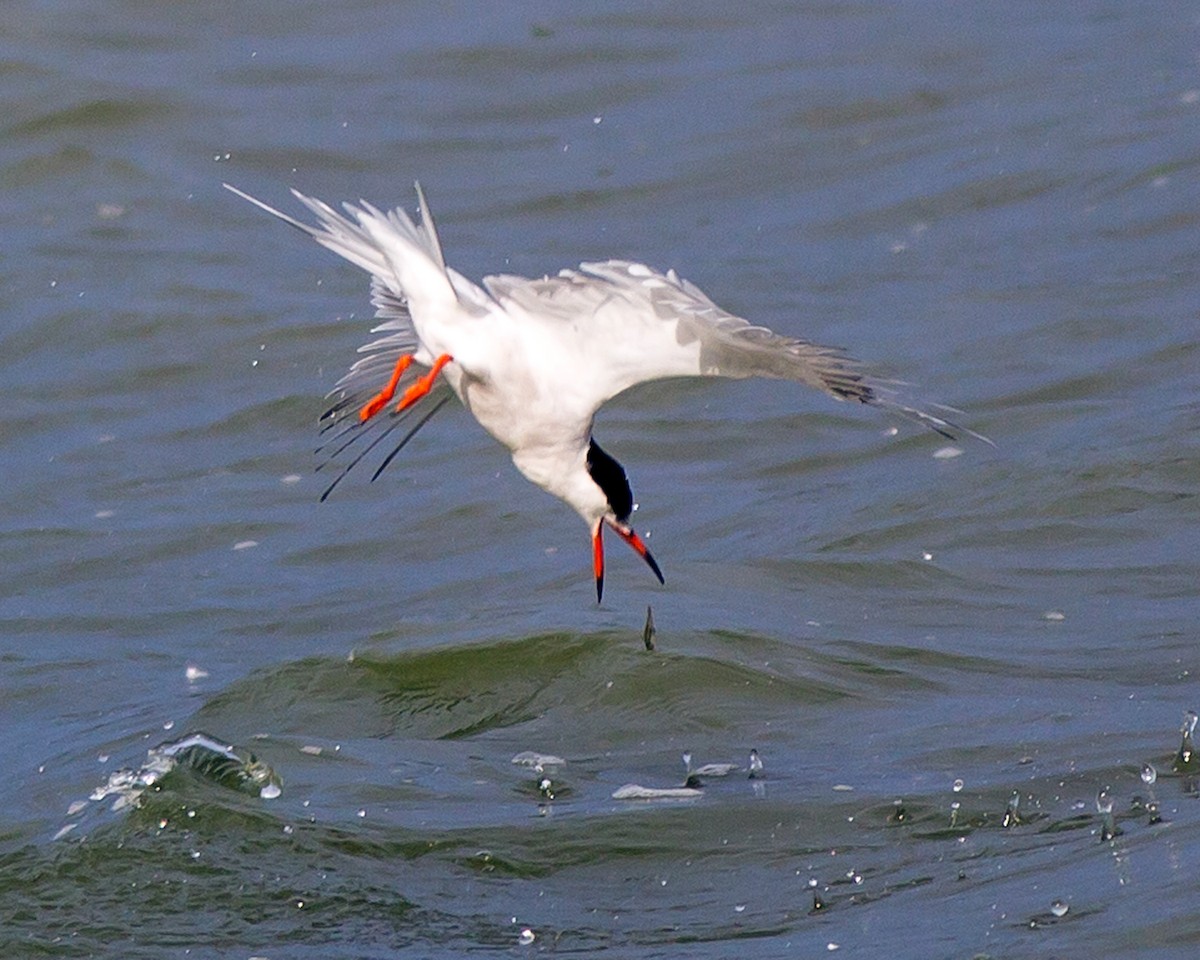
x: 379, y: 401
x: 422, y: 385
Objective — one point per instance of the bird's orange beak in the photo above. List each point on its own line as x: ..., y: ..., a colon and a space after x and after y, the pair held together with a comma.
x: 627, y: 534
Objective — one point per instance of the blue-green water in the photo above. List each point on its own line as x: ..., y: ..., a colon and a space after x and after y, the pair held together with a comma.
x: 998, y: 205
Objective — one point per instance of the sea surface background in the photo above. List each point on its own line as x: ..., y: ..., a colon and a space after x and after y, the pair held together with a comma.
x: 997, y: 203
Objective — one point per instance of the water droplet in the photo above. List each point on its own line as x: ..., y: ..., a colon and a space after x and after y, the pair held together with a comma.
x: 1104, y: 806
x: 1185, y: 758
x: 1059, y: 908
x: 1149, y: 774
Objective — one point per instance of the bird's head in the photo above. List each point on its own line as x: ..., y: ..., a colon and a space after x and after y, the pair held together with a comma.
x: 609, y: 477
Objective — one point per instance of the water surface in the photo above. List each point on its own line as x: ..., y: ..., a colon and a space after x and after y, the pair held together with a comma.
x: 996, y: 205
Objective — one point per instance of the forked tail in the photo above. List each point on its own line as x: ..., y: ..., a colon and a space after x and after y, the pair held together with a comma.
x: 406, y: 257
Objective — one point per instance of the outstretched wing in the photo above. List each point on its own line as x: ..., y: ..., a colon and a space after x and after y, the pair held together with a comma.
x: 645, y: 325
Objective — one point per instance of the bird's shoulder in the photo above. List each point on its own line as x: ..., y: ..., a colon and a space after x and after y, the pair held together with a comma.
x: 628, y: 286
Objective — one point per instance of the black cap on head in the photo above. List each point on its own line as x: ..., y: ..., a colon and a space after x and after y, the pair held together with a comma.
x: 610, y: 477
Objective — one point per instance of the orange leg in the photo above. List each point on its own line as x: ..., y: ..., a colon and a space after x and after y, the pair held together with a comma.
x: 379, y: 401
x: 422, y: 385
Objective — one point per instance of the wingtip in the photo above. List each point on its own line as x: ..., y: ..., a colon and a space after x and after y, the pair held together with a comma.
x: 886, y: 396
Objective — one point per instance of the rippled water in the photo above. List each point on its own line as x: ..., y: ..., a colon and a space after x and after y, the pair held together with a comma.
x: 998, y: 204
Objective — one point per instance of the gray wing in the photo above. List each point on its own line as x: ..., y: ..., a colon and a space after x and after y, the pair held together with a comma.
x: 681, y: 332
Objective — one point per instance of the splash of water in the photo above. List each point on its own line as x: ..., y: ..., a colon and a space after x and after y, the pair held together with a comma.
x: 223, y: 763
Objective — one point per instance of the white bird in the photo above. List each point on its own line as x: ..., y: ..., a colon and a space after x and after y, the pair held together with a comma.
x: 533, y: 360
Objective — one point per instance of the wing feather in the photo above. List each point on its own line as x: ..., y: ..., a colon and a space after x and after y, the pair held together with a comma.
x: 622, y: 297
x: 615, y: 323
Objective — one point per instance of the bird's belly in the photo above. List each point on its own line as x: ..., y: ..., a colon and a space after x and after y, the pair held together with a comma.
x: 522, y: 414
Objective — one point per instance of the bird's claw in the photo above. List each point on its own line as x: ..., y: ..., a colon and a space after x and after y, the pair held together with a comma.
x: 379, y: 401
x: 422, y: 385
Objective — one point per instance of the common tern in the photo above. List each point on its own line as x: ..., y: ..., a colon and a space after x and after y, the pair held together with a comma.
x: 534, y: 359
